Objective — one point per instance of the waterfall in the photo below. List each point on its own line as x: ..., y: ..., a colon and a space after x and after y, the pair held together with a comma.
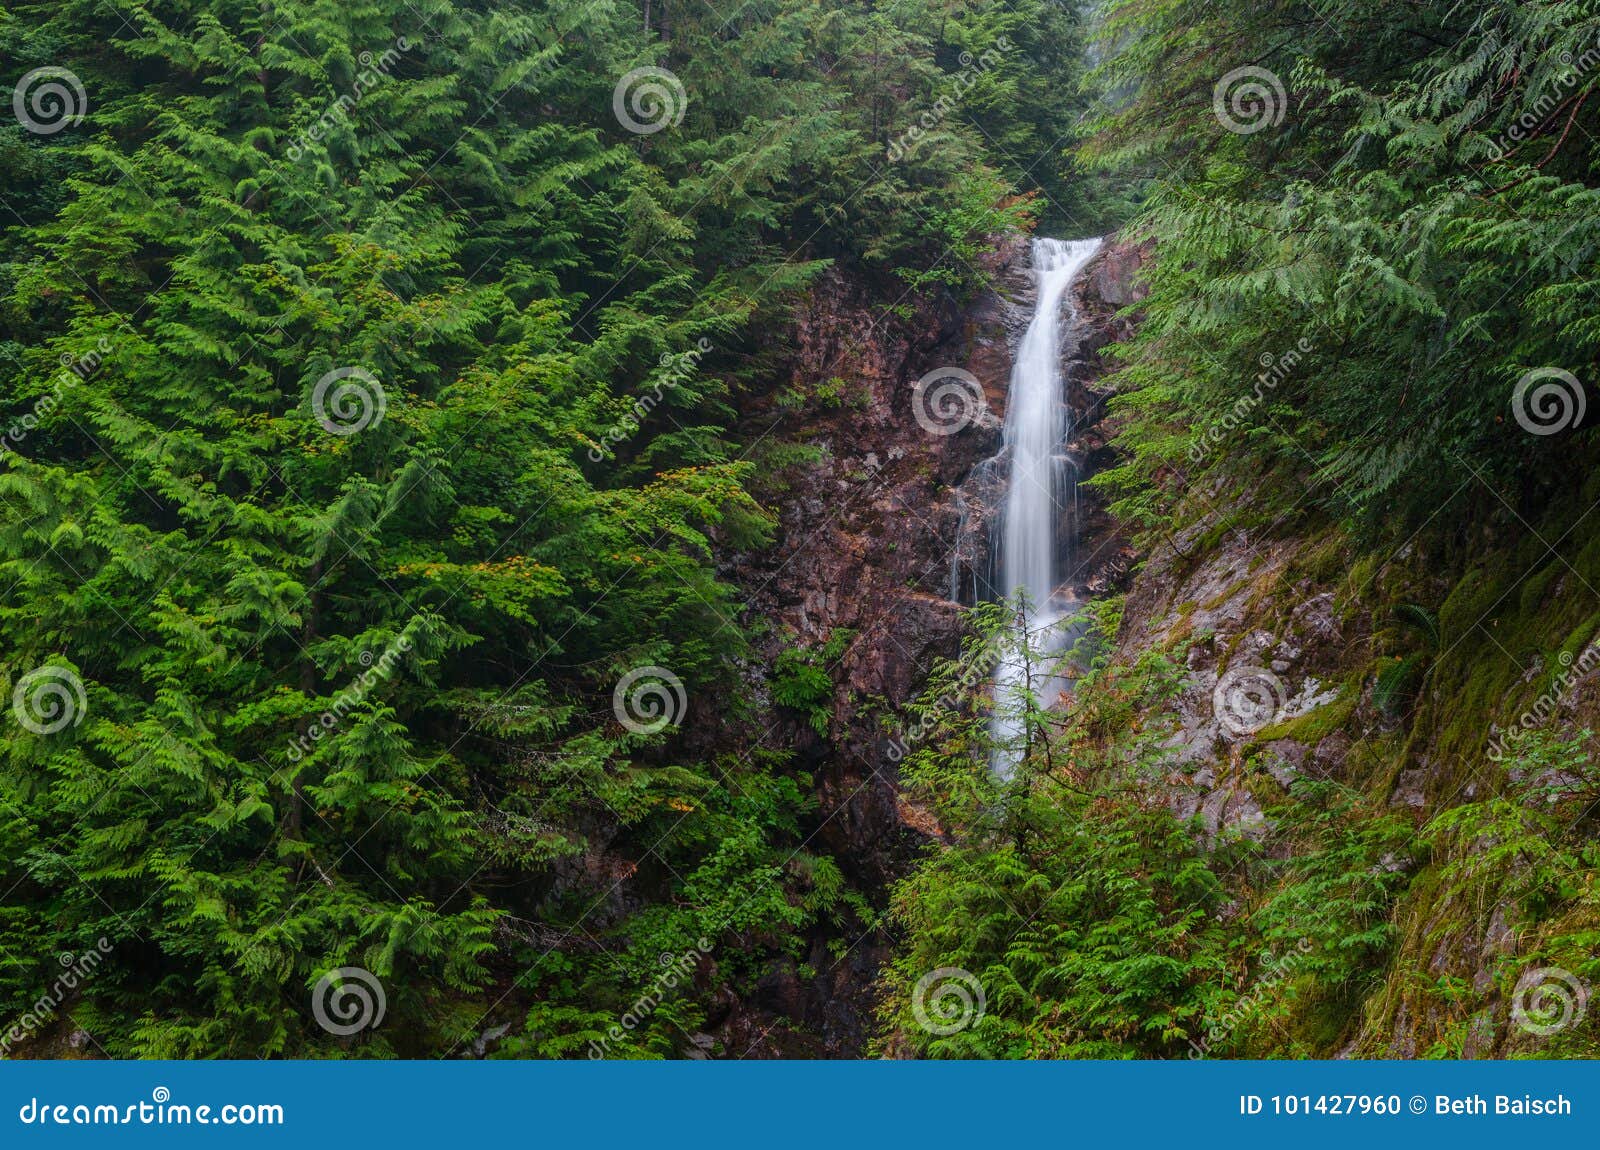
x: 1043, y: 482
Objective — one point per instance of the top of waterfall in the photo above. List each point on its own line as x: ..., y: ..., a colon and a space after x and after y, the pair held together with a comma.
x: 1056, y: 255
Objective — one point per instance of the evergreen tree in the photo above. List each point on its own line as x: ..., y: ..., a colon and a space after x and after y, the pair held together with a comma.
x: 369, y: 370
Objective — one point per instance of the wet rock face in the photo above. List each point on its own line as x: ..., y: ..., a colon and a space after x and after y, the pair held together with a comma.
x: 866, y: 532
x: 1100, y: 555
x: 1113, y: 277
x: 1108, y: 285
x: 1265, y: 647
x: 1274, y: 602
x: 881, y: 535
x: 864, y: 541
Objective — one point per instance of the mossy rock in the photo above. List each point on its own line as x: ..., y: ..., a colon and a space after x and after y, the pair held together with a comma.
x: 1311, y: 728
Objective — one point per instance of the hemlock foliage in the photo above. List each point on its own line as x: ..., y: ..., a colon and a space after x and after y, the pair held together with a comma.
x: 371, y: 375
x: 318, y: 333
x: 1420, y: 209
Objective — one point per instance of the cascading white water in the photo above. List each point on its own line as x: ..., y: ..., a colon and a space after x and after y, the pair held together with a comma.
x: 1042, y: 480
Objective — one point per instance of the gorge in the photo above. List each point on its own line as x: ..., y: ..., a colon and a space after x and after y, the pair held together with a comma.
x: 1040, y: 520
x: 482, y: 573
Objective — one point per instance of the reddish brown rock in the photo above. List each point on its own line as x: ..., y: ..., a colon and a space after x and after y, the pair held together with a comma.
x: 865, y: 541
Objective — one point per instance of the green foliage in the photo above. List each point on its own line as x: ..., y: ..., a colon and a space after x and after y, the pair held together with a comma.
x: 1420, y: 619
x: 1527, y: 855
x: 1399, y: 678
x: 1084, y: 909
x: 347, y: 693
x: 1333, y: 850
x: 1100, y: 924
x: 1520, y: 846
x: 802, y: 678
x: 1422, y: 217
x: 1396, y: 682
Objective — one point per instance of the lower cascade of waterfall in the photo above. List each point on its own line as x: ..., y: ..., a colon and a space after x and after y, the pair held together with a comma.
x: 1039, y: 518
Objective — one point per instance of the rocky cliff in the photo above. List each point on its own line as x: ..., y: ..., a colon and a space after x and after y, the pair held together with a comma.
x: 1392, y: 672
x: 883, y: 533
x: 1309, y: 655
x: 1396, y: 671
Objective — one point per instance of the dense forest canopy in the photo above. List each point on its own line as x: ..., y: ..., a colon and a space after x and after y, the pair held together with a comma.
x: 1406, y: 187
x: 330, y: 509
x: 373, y: 371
